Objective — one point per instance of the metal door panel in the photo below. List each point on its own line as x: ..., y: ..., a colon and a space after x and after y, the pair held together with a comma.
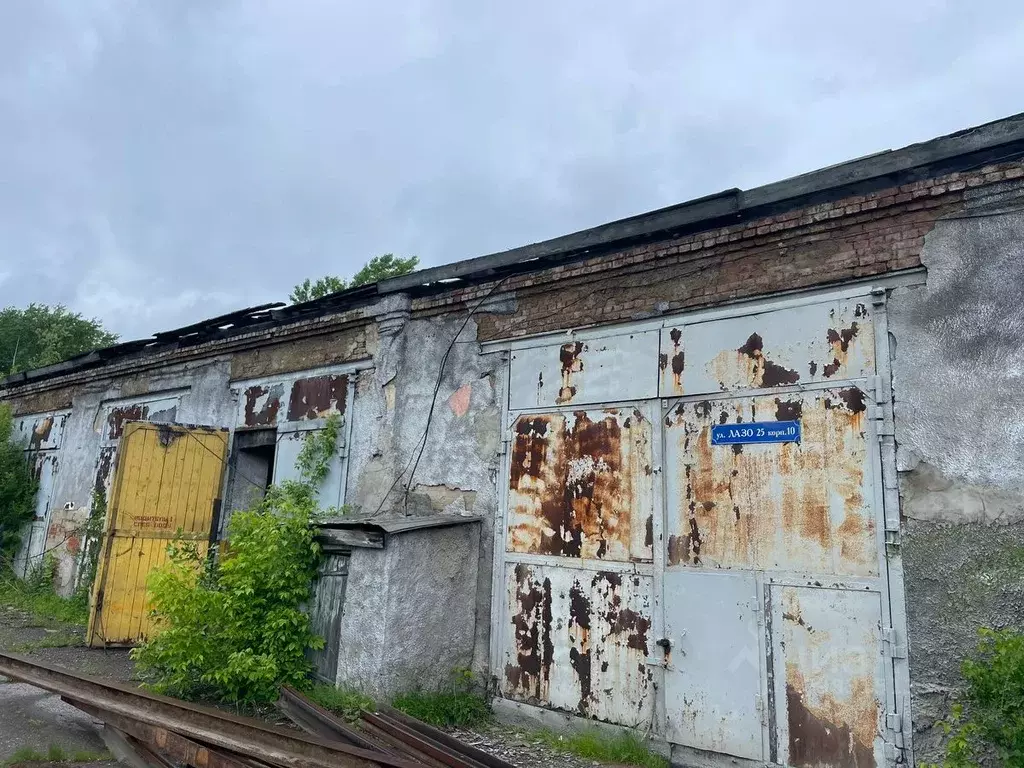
x: 117, y: 415
x: 814, y: 343
x: 581, y: 485
x: 166, y: 486
x: 803, y: 507
x: 713, y: 678
x: 829, y: 677
x: 609, y: 369
x: 578, y: 640
x: 290, y: 439
x: 40, y: 432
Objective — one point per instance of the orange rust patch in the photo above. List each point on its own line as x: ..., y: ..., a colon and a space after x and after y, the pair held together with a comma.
x: 797, y: 506
x: 569, y: 355
x: 579, y: 483
x: 837, y: 733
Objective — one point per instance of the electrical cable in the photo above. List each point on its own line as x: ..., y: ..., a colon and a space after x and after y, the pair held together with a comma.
x: 422, y: 442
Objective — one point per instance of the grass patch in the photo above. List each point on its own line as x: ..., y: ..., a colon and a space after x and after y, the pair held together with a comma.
x: 36, y: 597
x: 445, y: 708
x: 58, y: 640
x: 595, y: 744
x: 56, y: 754
x: 346, y: 702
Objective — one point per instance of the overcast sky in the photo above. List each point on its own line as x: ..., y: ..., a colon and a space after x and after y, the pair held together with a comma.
x: 167, y: 160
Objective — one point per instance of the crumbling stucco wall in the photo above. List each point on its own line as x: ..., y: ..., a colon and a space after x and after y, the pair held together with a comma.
x: 410, y: 611
x: 958, y: 383
x: 457, y: 471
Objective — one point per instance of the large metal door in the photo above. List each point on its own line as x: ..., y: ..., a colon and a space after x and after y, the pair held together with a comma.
x: 776, y: 545
x: 714, y: 662
x: 166, y: 486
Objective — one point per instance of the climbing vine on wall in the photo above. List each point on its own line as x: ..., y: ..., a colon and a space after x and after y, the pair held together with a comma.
x: 232, y: 628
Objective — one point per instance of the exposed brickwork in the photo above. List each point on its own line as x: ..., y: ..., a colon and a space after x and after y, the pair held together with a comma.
x: 329, y: 331
x: 300, y: 355
x: 41, y: 402
x: 856, y: 237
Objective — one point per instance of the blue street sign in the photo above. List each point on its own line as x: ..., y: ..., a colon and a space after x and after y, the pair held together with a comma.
x: 756, y: 432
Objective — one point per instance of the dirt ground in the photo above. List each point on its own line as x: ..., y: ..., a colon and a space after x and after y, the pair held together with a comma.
x: 34, y: 719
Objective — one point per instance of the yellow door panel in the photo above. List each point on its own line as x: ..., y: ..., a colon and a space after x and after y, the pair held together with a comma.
x: 167, y: 485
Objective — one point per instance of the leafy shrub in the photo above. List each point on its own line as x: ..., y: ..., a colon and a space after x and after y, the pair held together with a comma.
x: 17, y: 489
x: 989, y: 722
x: 232, y: 629
x: 459, y: 703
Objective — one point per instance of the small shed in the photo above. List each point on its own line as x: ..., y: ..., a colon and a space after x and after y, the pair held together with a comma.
x: 395, y: 600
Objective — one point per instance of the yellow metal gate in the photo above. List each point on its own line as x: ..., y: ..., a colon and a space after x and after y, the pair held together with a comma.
x: 167, y: 485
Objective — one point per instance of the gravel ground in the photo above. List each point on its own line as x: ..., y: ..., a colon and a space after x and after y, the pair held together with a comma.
x: 31, y: 718
x: 520, y: 748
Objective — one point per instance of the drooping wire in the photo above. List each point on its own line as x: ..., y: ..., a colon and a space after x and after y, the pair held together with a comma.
x: 421, y: 444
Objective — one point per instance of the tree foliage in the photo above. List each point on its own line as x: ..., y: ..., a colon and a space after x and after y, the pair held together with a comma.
x: 17, y: 488
x: 233, y: 629
x: 376, y: 269
x: 39, y: 335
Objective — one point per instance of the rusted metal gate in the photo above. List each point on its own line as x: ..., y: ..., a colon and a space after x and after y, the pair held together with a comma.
x: 42, y: 435
x: 734, y: 598
x: 166, y: 486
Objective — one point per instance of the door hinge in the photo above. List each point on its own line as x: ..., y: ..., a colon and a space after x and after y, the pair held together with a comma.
x: 892, y: 645
x: 896, y: 742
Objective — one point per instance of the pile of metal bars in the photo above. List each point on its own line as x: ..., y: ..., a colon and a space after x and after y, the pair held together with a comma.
x: 164, y: 732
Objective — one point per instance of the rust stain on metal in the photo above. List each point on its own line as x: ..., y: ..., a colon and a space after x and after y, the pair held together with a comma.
x: 569, y: 355
x: 578, y: 484
x: 531, y: 674
x: 120, y: 415
x: 838, y: 734
x: 678, y: 360
x: 40, y: 433
x: 839, y: 341
x: 795, y: 505
x: 104, y: 468
x: 167, y: 435
x: 750, y: 366
x: 262, y: 405
x: 317, y: 397
x: 580, y: 642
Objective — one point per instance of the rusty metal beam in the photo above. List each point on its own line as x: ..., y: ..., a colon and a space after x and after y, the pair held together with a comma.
x: 421, y: 743
x: 484, y: 758
x: 204, y: 725
x: 317, y: 720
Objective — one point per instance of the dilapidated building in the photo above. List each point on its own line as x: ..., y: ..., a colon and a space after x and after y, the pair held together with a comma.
x: 746, y: 473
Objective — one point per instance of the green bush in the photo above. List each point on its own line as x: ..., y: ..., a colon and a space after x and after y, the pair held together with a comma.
x: 233, y: 629
x: 35, y: 595
x: 17, y: 489
x: 459, y: 703
x: 989, y: 722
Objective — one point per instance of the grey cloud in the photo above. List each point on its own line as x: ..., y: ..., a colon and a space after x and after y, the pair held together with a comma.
x: 165, y: 161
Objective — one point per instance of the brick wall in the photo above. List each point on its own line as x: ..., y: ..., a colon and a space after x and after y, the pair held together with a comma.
x: 856, y: 237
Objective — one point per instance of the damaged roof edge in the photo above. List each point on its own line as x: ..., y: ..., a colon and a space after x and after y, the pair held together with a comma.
x: 997, y: 141
x: 858, y: 176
